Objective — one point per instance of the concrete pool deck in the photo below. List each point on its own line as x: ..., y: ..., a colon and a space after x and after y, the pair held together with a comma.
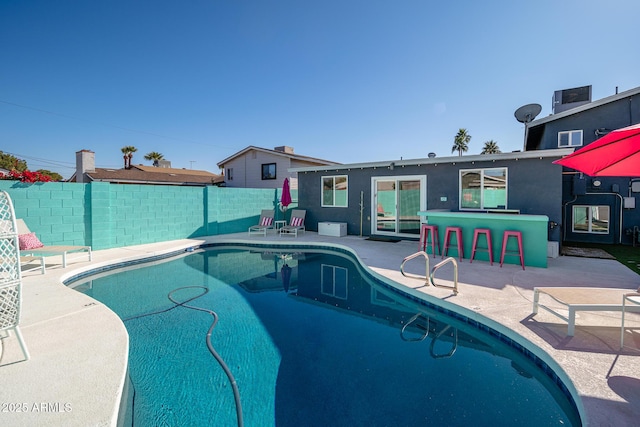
x: 79, y: 348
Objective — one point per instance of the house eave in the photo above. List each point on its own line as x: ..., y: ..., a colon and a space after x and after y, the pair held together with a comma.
x: 441, y: 160
x: 585, y: 107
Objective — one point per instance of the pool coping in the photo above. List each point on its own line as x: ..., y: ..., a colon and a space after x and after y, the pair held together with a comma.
x: 30, y: 382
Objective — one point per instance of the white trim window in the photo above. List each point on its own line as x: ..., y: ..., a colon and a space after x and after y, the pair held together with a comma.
x: 334, y: 281
x: 483, y: 188
x: 335, y: 191
x: 590, y: 219
x: 570, y: 138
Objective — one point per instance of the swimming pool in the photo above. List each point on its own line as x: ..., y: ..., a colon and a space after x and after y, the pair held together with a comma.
x: 311, y: 339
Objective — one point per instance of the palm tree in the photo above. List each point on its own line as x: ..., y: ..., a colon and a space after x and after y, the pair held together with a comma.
x: 491, y: 147
x: 461, y: 141
x: 155, y: 156
x: 128, y: 154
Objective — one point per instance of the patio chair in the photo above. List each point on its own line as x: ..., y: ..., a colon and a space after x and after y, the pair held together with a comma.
x: 296, y: 223
x: 29, y: 263
x: 264, y: 224
x: 574, y: 299
x: 30, y: 245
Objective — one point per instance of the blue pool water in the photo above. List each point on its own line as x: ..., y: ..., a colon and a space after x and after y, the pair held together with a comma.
x: 310, y: 341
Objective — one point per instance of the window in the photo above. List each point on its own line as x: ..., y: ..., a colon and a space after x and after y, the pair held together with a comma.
x: 483, y: 188
x: 334, y: 281
x: 269, y: 171
x: 230, y: 174
x: 591, y: 219
x: 570, y: 138
x: 334, y: 191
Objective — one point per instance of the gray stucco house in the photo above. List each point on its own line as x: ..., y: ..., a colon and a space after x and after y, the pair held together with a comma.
x: 601, y: 210
x: 255, y: 167
x: 383, y: 198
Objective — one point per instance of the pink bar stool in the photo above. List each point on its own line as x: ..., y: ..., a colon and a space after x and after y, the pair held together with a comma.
x: 447, y: 241
x: 424, y: 237
x: 487, y: 234
x: 505, y: 239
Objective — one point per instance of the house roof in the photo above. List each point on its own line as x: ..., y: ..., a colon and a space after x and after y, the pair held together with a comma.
x: 441, y: 160
x: 585, y: 107
x: 277, y: 153
x: 153, y: 175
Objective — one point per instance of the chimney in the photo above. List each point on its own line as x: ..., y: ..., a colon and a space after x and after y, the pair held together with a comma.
x: 284, y: 149
x: 85, y: 162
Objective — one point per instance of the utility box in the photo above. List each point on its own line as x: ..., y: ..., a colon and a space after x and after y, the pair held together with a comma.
x: 334, y: 229
x: 553, y: 249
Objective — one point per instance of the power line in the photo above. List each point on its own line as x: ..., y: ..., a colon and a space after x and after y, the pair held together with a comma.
x: 40, y: 110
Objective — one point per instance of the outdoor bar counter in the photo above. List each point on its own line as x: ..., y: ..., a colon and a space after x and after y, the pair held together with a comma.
x: 533, y: 227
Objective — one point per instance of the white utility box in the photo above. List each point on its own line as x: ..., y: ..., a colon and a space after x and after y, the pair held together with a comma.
x: 334, y: 229
x: 553, y: 249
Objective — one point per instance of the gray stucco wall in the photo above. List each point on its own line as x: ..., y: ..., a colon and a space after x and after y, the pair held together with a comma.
x: 534, y: 187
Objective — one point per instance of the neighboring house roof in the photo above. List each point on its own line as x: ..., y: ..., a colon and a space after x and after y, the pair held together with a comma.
x: 277, y: 153
x: 153, y: 175
x: 585, y: 107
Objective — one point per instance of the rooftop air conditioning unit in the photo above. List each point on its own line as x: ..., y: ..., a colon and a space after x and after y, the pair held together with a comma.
x: 567, y: 99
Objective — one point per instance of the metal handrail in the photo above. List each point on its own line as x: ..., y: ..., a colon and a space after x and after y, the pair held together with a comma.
x: 413, y: 319
x: 453, y: 348
x: 455, y: 274
x: 413, y: 276
x: 426, y: 279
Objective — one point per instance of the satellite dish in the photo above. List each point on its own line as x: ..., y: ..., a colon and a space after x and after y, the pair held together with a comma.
x: 527, y: 113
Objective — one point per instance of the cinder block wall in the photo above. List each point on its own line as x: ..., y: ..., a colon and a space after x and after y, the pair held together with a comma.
x: 112, y: 215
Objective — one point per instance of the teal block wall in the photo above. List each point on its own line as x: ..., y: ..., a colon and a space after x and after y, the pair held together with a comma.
x: 105, y: 215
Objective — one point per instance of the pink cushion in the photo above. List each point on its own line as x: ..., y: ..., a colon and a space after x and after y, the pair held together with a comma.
x: 296, y: 222
x: 29, y: 241
x: 266, y: 221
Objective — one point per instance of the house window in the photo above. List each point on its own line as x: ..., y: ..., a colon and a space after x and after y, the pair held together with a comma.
x: 483, y: 188
x: 570, y: 138
x: 230, y: 174
x: 269, y: 171
x: 334, y: 281
x: 591, y: 219
x: 334, y: 191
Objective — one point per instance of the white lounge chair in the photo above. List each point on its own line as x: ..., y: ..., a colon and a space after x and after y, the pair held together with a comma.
x: 296, y: 223
x: 264, y: 224
x: 580, y: 299
x: 45, y: 251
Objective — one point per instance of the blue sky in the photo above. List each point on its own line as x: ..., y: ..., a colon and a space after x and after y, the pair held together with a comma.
x: 348, y: 81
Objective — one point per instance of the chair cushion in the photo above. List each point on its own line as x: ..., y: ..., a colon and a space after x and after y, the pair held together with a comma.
x: 296, y: 222
x: 266, y: 221
x: 29, y: 241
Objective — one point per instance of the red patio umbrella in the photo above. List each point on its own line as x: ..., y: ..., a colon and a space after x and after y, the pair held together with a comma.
x: 615, y: 154
x: 285, y: 198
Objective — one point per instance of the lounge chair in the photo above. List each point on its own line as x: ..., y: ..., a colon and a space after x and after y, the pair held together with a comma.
x: 28, y: 263
x: 30, y: 245
x: 580, y: 299
x: 264, y: 224
x: 296, y: 223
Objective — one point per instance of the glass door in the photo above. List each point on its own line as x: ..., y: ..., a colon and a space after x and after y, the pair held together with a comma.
x: 396, y: 202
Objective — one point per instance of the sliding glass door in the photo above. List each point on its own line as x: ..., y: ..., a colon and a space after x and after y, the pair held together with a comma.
x: 396, y: 202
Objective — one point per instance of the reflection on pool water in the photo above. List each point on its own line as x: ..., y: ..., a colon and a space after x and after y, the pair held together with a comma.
x: 311, y: 340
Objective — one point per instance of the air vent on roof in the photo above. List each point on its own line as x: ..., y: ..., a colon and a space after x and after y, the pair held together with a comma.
x: 567, y: 99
